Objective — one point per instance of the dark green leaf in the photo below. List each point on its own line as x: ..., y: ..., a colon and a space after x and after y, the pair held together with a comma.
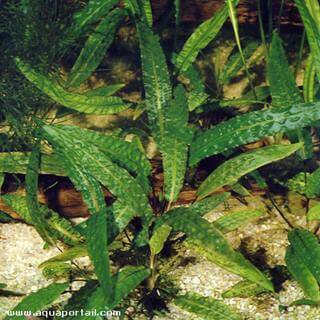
x: 75, y: 101
x: 95, y: 49
x: 205, y: 307
x: 252, y: 127
x: 39, y: 300
x: 232, y: 170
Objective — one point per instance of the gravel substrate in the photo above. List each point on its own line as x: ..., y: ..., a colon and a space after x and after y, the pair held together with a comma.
x: 22, y: 251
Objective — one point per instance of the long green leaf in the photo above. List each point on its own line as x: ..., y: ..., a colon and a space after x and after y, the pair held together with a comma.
x: 205, y: 307
x: 95, y: 48
x: 17, y: 162
x: 243, y: 289
x: 39, y: 300
x: 57, y: 227
x: 91, y: 13
x: 309, y: 80
x: 209, y: 242
x: 312, y: 30
x: 158, y: 239
x: 36, y: 215
x: 95, y: 163
x: 207, y: 205
x: 200, y: 38
x: 232, y: 170
x: 90, y: 297
x: 124, y: 153
x: 283, y: 88
x: 302, y: 274
x: 252, y: 127
x: 236, y: 219
x: 174, y: 146
x: 97, y: 244
x: 157, y: 86
x: 306, y: 247
x: 79, y: 102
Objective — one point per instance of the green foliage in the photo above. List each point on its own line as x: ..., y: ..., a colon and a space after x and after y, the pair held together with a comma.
x: 17, y: 162
x: 94, y: 49
x: 309, y: 80
x: 205, y: 206
x: 283, y: 87
x: 200, y: 38
x: 157, y: 86
x: 251, y: 127
x: 243, y: 289
x: 314, y: 213
x: 174, y: 146
x: 39, y: 300
x: 158, y: 238
x: 232, y: 170
x: 56, y: 226
x: 209, y: 242
x: 302, y: 258
x: 36, y: 215
x: 236, y: 219
x: 78, y: 102
x: 206, y: 307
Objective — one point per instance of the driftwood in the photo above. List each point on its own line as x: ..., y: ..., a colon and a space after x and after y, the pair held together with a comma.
x: 195, y: 11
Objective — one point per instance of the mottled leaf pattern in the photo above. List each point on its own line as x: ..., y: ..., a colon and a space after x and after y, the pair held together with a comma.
x: 200, y: 38
x: 210, y: 243
x: 157, y: 86
x: 232, y: 170
x: 158, y: 238
x: 94, y: 49
x: 79, y: 102
x: 39, y: 300
x: 302, y: 274
x: 252, y: 127
x: 283, y: 88
x: 236, y: 219
x: 243, y: 289
x: 206, y: 307
x: 174, y: 146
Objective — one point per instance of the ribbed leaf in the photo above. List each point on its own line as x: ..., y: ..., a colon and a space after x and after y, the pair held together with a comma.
x: 58, y: 227
x: 67, y: 255
x: 205, y: 307
x: 95, y: 48
x: 196, y: 89
x: 39, y: 300
x: 91, y: 162
x: 91, y: 13
x: 200, y: 38
x: 302, y: 274
x: 90, y: 297
x: 146, y: 6
x: 243, y: 289
x: 158, y: 238
x: 17, y: 162
x: 252, y: 127
x: 174, y: 146
x: 124, y: 153
x: 232, y: 170
x: 156, y: 80
x: 236, y: 219
x: 75, y: 101
x: 36, y: 215
x: 207, y: 205
x: 313, y: 184
x: 97, y: 244
x: 309, y: 80
x: 314, y: 213
x: 210, y: 243
x: 306, y: 247
x: 283, y: 88
x: 234, y: 64
x: 313, y: 31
